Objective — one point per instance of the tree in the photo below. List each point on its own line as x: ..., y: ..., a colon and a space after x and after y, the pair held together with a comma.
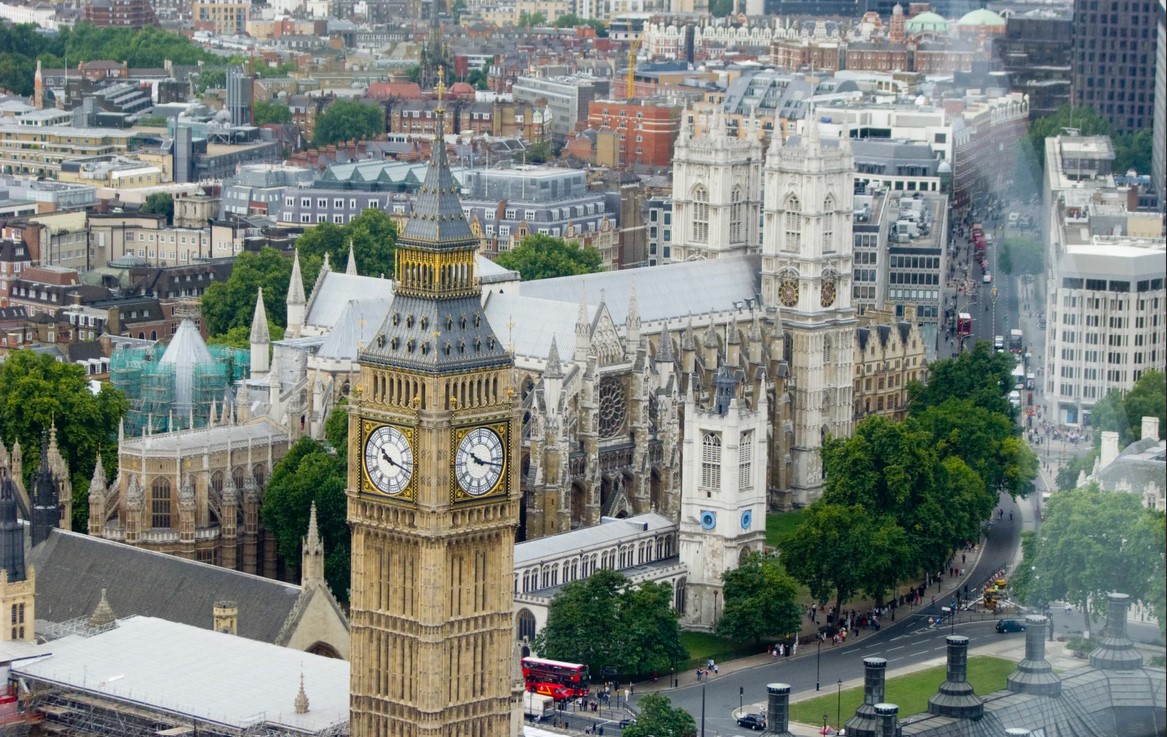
x: 271, y: 113
x: 1157, y: 596
x: 373, y: 236
x: 988, y: 442
x: 759, y: 600
x: 1092, y: 542
x: 307, y: 474
x: 479, y: 79
x: 720, y: 8
x: 1022, y: 255
x: 826, y: 551
x: 348, y: 120
x: 1124, y: 414
x: 539, y: 152
x: 336, y: 428
x: 532, y: 20
x: 659, y: 718
x: 152, y: 121
x: 981, y: 376
x: 231, y: 304
x: 159, y: 203
x: 37, y: 392
x: 1071, y: 470
x: 544, y: 257
x: 240, y: 335
x: 607, y: 622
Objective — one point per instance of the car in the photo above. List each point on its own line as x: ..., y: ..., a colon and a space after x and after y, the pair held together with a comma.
x: 988, y: 277
x: 999, y: 342
x: 625, y: 723
x: 1010, y: 625
x: 753, y: 721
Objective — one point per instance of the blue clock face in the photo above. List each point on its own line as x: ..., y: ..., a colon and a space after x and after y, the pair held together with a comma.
x: 747, y: 519
x: 708, y: 520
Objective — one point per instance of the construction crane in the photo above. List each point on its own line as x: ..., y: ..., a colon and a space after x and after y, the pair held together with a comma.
x: 633, y: 47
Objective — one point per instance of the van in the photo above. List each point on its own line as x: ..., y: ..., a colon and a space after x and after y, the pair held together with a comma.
x: 1015, y: 398
x: 1030, y: 380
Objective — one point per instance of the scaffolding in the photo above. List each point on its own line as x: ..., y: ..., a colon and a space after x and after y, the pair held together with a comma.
x: 176, y: 386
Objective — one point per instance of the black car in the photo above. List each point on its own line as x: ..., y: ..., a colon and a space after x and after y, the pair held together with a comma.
x: 625, y: 722
x: 1010, y: 625
x: 753, y: 721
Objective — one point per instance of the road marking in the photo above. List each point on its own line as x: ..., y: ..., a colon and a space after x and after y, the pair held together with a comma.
x: 892, y: 649
x: 895, y: 659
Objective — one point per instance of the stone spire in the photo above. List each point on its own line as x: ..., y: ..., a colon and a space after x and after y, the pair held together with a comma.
x: 351, y: 268
x: 664, y: 353
x: 46, y: 507
x: 98, y: 484
x: 103, y: 615
x: 260, y: 339
x: 554, y: 366
x: 301, y: 703
x: 632, y: 319
x: 583, y: 329
x: 312, y: 557
x: 296, y: 302
x: 11, y: 532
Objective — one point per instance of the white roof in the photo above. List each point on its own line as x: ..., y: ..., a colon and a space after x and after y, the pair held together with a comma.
x: 568, y: 543
x: 530, y: 323
x: 1134, y: 260
x: 662, y: 292
x: 212, y: 676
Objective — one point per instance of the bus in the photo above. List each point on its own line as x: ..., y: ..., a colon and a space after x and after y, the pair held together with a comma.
x: 978, y: 237
x: 555, y: 678
x: 964, y: 324
x: 1016, y: 340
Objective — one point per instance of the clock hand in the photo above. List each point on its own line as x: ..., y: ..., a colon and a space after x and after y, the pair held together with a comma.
x: 387, y: 458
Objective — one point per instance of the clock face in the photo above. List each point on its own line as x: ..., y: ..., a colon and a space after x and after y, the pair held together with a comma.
x: 827, y: 297
x: 747, y: 519
x: 479, y: 461
x: 388, y: 460
x: 708, y: 520
x: 788, y: 292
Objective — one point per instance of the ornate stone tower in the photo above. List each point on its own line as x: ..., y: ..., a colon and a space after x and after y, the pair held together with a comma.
x: 806, y: 273
x: 717, y: 191
x: 433, y: 491
x: 723, y: 494
x: 17, y: 579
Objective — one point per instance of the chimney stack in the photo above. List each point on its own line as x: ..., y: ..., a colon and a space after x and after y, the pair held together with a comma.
x: 1034, y: 674
x: 778, y: 708
x: 1116, y: 651
x: 887, y: 714
x: 1150, y: 428
x: 865, y: 723
x: 955, y: 697
x: 1109, y: 449
x: 226, y: 617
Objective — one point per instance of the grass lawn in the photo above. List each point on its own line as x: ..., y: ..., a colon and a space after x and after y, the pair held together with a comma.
x: 779, y: 525
x: 910, y: 692
x: 702, y: 645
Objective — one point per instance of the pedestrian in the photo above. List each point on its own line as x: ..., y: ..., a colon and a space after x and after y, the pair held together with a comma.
x: 715, y: 669
x: 601, y: 730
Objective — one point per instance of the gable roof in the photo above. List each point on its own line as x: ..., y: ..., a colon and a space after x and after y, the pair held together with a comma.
x: 72, y: 569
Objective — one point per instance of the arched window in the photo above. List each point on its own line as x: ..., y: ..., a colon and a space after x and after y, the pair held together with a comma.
x: 745, y: 468
x: 829, y: 224
x: 737, y: 216
x: 526, y: 625
x: 700, y: 215
x: 792, y: 223
x: 826, y: 351
x: 239, y: 478
x: 217, y: 483
x: 711, y: 461
x: 259, y: 475
x: 160, y: 503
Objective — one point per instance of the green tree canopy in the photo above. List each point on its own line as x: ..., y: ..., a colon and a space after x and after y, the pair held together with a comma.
x: 532, y: 20
x: 659, y: 718
x: 348, y: 120
x: 1092, y: 542
x: 271, y: 112
x: 759, y: 600
x: 1124, y: 414
x: 606, y: 621
x: 37, y: 391
x: 159, y: 203
x: 827, y: 549
x: 307, y: 474
x: 231, y: 304
x: 571, y: 20
x: 543, y: 257
x: 988, y: 442
x: 336, y: 428
x: 720, y: 8
x: 373, y: 235
x: 981, y: 376
x: 240, y: 335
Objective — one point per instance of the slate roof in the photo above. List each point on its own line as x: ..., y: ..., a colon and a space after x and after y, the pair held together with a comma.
x: 1141, y: 463
x: 72, y: 569
x: 465, y: 340
x: 587, y: 538
x: 437, y: 220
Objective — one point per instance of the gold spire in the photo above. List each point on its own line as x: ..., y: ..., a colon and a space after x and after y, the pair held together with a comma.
x: 441, y: 89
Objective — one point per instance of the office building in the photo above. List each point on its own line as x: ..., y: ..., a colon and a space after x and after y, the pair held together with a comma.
x: 660, y: 231
x: 221, y: 17
x: 120, y: 13
x: 567, y: 98
x: 240, y: 95
x: 1159, y: 124
x: 1114, y: 60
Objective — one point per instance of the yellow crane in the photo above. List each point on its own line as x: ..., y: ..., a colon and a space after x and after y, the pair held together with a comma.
x: 633, y: 47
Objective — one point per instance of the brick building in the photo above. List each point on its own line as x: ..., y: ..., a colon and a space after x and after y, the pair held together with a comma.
x: 646, y: 131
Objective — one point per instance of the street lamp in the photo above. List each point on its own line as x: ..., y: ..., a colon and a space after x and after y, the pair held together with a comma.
x: 818, y: 662
x: 702, y: 710
x: 839, y: 703
x: 824, y: 723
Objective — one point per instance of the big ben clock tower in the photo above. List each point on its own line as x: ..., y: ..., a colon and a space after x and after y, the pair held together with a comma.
x: 433, y: 491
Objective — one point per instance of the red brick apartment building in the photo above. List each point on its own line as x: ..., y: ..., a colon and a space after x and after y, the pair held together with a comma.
x: 646, y: 132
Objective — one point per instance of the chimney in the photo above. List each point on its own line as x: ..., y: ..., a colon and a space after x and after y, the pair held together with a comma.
x: 955, y: 697
x: 887, y: 715
x: 226, y: 617
x: 865, y: 723
x: 1034, y: 674
x: 778, y: 708
x: 1150, y: 428
x: 1109, y: 448
x: 1116, y: 651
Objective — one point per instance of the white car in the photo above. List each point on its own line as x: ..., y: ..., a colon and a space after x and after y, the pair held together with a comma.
x: 988, y: 279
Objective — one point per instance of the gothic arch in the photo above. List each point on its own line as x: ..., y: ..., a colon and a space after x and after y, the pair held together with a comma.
x: 578, y: 505
x: 792, y: 222
x: 259, y: 476
x: 160, y: 503
x: 700, y: 219
x: 679, y: 594
x: 525, y: 625
x: 656, y: 491
x: 737, y: 215
x: 742, y: 555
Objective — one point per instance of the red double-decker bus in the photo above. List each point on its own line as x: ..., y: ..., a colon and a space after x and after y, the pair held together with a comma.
x: 556, y: 678
x: 964, y: 325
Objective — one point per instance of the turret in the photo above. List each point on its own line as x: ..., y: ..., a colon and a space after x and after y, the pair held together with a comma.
x: 552, y: 379
x: 97, y: 495
x: 296, y: 302
x: 260, y: 339
x: 46, y: 507
x: 351, y: 268
x: 632, y: 321
x: 583, y: 330
x: 312, y: 556
x: 665, y: 357
x: 11, y: 532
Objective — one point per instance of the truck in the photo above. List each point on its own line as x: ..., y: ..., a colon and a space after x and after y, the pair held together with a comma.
x: 1016, y: 340
x: 537, y: 707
